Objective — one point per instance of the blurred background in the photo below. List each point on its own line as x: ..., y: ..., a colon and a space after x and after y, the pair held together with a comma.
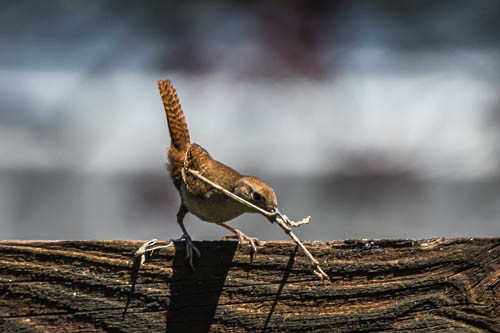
x: 377, y: 118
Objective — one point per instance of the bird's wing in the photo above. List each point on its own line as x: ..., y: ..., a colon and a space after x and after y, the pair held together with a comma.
x: 198, y: 159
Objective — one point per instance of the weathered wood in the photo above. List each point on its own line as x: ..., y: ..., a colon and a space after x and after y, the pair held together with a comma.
x: 384, y: 285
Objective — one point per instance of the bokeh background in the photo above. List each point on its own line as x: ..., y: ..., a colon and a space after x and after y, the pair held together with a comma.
x: 377, y: 118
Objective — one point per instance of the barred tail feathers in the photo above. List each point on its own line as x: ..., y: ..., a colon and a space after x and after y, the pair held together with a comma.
x: 177, y: 126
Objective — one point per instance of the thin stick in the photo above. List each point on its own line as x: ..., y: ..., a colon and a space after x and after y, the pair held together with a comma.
x: 316, y: 267
x: 231, y: 195
x: 285, y: 225
x: 139, y: 259
x: 264, y: 212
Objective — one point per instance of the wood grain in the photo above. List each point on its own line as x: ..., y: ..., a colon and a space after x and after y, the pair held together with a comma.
x: 381, y: 285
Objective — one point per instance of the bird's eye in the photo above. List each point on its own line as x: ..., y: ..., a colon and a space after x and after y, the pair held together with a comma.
x: 256, y: 196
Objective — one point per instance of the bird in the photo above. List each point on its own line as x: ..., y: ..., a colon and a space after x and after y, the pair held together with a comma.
x: 198, y: 197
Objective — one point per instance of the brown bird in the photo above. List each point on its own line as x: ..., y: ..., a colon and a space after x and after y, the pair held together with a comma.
x: 199, y: 198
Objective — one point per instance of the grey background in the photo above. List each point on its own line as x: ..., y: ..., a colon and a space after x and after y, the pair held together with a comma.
x: 378, y: 119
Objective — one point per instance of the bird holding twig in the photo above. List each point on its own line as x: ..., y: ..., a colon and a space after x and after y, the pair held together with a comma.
x: 198, y: 197
x: 213, y: 191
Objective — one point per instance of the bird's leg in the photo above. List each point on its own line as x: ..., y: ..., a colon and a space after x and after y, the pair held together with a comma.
x: 242, y: 237
x: 190, y: 248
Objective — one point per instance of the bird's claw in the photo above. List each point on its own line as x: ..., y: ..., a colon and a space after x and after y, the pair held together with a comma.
x: 190, y: 249
x: 241, y: 237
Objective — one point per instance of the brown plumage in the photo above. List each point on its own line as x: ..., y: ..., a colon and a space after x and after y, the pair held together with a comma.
x: 178, y: 129
x: 197, y: 197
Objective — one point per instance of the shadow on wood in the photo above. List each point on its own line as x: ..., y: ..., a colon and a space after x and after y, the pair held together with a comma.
x: 195, y: 294
x: 282, y: 285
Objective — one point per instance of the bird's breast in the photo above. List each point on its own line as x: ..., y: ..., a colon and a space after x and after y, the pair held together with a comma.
x: 216, y: 208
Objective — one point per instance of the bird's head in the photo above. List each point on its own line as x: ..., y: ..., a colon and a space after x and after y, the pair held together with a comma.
x: 257, y: 192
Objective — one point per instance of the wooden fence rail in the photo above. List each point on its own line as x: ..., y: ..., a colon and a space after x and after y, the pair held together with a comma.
x: 380, y: 285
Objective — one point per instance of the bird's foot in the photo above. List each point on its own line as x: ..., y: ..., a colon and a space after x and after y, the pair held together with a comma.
x: 190, y: 249
x: 241, y: 237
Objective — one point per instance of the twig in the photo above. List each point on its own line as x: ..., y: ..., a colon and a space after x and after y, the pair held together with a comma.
x: 283, y: 221
x: 139, y: 259
x: 275, y: 214
x: 230, y: 194
x: 316, y: 266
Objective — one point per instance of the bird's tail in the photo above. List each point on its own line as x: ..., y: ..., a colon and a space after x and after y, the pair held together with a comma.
x: 177, y: 126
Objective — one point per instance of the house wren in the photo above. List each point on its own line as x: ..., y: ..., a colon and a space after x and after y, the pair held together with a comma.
x: 197, y: 197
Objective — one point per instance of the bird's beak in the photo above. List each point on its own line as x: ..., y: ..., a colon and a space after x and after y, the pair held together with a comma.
x: 278, y: 213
